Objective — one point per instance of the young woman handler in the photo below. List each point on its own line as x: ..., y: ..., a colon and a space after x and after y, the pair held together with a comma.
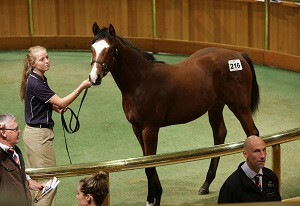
x: 40, y: 101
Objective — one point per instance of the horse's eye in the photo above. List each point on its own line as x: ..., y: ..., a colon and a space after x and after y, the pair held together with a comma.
x: 110, y: 50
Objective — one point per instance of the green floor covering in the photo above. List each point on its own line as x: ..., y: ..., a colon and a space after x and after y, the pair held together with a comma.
x: 105, y: 133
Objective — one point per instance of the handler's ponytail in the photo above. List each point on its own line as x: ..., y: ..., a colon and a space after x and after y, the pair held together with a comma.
x: 28, y: 61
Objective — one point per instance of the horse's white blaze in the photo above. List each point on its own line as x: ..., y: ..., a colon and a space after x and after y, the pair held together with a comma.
x: 98, y: 47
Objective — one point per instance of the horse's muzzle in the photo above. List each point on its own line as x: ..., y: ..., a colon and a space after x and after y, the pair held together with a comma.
x: 97, y: 82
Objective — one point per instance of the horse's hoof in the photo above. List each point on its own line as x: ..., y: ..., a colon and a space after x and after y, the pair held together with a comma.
x: 151, y: 204
x: 203, y: 191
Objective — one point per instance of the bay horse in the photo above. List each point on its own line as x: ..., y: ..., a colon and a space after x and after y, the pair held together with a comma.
x: 156, y: 94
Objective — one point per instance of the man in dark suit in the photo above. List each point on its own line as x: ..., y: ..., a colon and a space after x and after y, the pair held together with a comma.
x: 14, y: 183
x: 251, y: 182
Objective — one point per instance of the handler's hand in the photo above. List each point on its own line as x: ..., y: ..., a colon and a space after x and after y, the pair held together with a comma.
x: 86, y: 84
x: 59, y: 110
x: 34, y: 185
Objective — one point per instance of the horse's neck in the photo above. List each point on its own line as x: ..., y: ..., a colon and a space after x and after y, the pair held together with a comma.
x: 131, y: 69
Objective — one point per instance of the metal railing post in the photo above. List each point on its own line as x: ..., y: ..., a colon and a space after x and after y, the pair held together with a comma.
x: 154, y: 35
x: 277, y: 162
x: 30, y: 19
x: 267, y: 29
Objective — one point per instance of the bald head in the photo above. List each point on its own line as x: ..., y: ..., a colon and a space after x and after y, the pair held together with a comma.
x: 255, y: 152
x: 252, y: 140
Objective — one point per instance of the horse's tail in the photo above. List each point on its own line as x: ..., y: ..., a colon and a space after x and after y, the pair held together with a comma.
x: 255, y: 89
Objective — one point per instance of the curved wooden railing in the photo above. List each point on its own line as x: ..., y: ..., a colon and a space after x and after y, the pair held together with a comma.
x: 273, y: 140
x: 258, y: 56
x: 268, y: 31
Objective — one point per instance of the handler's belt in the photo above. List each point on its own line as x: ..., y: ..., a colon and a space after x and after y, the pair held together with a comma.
x: 40, y: 125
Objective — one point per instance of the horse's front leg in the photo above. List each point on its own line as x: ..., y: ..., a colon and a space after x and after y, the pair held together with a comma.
x: 150, y: 138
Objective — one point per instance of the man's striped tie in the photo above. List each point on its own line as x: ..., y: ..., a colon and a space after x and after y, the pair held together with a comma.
x: 11, y: 150
x: 257, y: 181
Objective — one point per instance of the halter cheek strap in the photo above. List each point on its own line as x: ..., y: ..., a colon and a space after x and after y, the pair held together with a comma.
x: 104, y: 66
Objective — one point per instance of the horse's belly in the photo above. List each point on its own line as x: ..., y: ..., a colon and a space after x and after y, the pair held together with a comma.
x: 183, y: 115
x: 189, y: 104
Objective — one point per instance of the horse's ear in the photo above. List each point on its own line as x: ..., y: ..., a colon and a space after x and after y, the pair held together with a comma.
x: 111, y: 30
x: 95, y: 28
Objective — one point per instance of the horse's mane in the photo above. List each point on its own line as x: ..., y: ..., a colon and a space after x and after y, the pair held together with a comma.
x: 145, y: 54
x: 103, y: 33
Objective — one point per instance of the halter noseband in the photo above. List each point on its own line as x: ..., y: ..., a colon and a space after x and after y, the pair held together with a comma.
x: 104, y: 65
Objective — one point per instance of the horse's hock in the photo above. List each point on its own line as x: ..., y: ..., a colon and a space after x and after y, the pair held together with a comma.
x: 268, y: 32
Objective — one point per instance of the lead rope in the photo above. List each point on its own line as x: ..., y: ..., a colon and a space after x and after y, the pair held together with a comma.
x: 70, y: 129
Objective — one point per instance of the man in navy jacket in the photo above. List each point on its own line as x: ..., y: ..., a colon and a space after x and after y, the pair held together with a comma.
x: 251, y: 182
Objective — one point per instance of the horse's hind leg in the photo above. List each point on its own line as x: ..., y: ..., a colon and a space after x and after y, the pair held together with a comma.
x: 255, y: 130
x: 216, y: 121
x: 243, y: 114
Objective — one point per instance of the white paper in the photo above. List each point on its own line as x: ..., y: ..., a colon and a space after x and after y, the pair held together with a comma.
x: 50, y: 185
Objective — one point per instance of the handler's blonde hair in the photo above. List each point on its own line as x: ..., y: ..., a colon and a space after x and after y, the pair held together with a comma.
x: 28, y: 61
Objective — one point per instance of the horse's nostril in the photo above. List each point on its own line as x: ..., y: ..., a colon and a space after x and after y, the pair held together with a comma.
x: 98, y: 80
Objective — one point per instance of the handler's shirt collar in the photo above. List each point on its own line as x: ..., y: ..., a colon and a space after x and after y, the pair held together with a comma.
x: 250, y: 173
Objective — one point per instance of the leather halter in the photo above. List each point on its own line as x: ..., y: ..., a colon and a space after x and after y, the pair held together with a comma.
x: 104, y: 66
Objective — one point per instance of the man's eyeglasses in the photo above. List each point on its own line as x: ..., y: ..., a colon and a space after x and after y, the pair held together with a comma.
x: 14, y: 129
